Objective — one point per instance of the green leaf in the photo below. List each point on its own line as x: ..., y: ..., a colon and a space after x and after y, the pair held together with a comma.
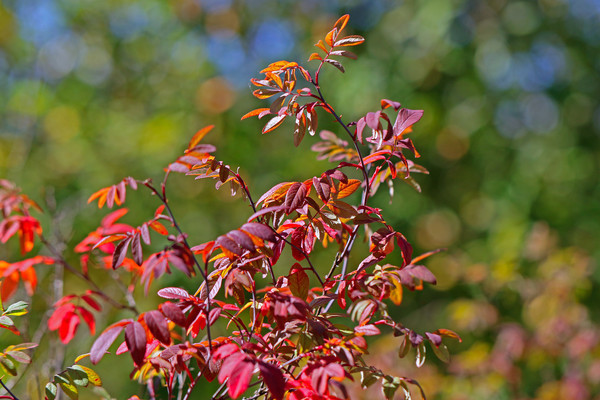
x: 78, y: 375
x: 51, y: 390
x: 9, y: 365
x: 6, y: 321
x: 305, y: 343
x: 441, y: 352
x: 18, y: 308
x: 390, y: 385
x: 67, y: 385
x: 404, y: 347
x: 367, y: 378
x: 19, y: 356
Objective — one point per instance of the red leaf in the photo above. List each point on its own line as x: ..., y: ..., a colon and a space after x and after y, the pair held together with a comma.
x: 56, y: 319
x: 135, y: 337
x: 297, y: 239
x: 385, y: 103
x: 295, y: 196
x: 228, y: 244
x: 120, y: 253
x: 89, y: 319
x: 136, y: 249
x: 104, y: 341
x: 367, y: 330
x: 174, y: 313
x: 111, y: 218
x: 68, y: 327
x: 91, y: 302
x: 174, y: 293
x: 420, y: 272
x: 225, y: 351
x: 158, y: 326
x: 238, y: 368
x: 275, y: 192
x: 298, y: 281
x: 242, y: 239
x: 260, y: 230
x: 273, y: 378
x: 405, y: 119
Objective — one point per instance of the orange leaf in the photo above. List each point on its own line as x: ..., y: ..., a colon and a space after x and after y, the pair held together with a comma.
x: 331, y: 36
x: 254, y: 112
x: 279, y: 66
x: 346, y: 189
x: 158, y: 227
x: 199, y: 136
x: 100, y: 195
x: 314, y: 56
x: 341, y: 22
x: 321, y: 45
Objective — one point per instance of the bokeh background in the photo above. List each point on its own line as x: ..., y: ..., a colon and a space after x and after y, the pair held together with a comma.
x: 92, y: 91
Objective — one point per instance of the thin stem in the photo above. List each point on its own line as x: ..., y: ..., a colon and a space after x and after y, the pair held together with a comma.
x: 204, y: 272
x: 162, y: 197
x: 59, y: 258
x: 8, y: 390
x: 306, y: 256
x: 356, y: 147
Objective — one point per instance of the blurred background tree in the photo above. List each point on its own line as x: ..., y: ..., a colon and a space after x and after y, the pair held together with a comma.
x: 91, y: 91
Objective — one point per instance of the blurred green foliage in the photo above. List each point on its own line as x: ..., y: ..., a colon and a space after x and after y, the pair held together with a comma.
x: 91, y: 91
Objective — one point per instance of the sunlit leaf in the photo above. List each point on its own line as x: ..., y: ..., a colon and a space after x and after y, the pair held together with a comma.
x: 274, y: 123
x: 351, y: 40
x: 51, y: 390
x: 396, y: 293
x: 199, y: 136
x: 315, y: 56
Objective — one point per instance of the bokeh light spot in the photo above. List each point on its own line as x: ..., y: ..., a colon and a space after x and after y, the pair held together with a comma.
x: 215, y: 96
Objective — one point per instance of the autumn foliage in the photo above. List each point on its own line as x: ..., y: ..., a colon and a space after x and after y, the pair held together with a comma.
x: 265, y: 320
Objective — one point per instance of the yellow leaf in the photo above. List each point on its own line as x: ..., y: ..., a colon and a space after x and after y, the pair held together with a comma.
x: 92, y: 376
x: 396, y: 294
x: 81, y: 357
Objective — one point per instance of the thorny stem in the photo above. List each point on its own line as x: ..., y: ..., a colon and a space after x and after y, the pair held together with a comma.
x: 60, y: 259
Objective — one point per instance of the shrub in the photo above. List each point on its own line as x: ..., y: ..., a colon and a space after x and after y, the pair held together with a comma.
x: 265, y: 320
